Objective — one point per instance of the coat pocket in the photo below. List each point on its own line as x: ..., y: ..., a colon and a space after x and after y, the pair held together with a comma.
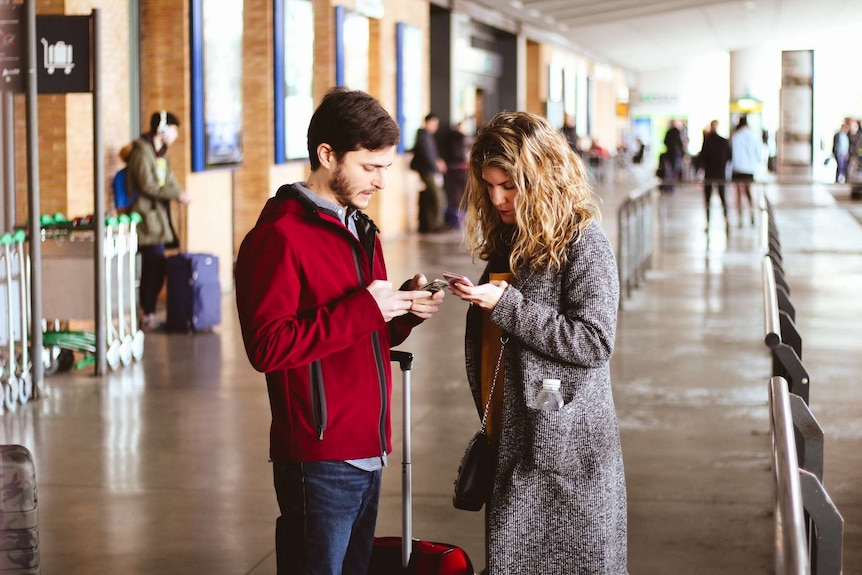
x: 554, y: 444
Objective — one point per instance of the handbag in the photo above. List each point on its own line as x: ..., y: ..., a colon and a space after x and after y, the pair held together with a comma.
x: 475, y: 480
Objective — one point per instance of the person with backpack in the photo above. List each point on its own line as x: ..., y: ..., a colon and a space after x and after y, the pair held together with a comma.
x: 150, y: 174
x: 123, y: 197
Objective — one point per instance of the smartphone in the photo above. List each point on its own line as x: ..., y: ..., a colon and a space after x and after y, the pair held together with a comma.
x: 457, y: 278
x: 434, y: 285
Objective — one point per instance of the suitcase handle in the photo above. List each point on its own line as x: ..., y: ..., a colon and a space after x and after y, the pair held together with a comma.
x: 405, y: 360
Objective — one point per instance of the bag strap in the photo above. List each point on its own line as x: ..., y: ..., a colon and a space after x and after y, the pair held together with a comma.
x: 503, y: 341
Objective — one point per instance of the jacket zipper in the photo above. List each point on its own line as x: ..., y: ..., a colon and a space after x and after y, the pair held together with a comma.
x: 375, y: 343
x: 318, y: 399
x: 318, y: 395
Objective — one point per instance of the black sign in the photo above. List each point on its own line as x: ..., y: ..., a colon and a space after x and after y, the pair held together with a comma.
x: 63, y: 54
x: 11, y: 34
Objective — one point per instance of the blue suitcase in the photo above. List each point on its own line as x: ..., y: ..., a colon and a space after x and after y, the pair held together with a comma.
x: 19, y: 536
x: 194, y: 293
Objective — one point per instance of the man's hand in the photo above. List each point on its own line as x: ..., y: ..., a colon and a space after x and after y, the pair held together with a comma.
x: 425, y: 307
x: 392, y: 302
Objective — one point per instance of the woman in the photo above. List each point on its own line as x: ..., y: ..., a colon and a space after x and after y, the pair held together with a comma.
x: 559, y: 500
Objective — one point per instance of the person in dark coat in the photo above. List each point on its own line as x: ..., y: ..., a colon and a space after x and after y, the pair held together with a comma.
x: 430, y: 166
x: 714, y: 156
x: 675, y: 145
x: 571, y: 133
x: 455, y: 179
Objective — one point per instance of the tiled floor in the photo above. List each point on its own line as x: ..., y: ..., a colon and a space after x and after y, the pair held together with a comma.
x: 161, y: 468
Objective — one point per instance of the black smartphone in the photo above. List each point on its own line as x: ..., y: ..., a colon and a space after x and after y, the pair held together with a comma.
x: 434, y: 285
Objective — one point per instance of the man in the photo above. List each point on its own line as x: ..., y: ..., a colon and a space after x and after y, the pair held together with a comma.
x: 430, y: 166
x: 150, y: 173
x: 714, y: 156
x: 675, y: 145
x: 571, y: 133
x: 318, y: 316
x: 841, y: 151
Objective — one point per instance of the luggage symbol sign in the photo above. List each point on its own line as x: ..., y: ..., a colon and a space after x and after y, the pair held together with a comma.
x: 58, y: 55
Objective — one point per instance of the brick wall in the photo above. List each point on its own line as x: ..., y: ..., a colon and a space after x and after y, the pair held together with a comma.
x: 165, y: 78
x: 252, y: 185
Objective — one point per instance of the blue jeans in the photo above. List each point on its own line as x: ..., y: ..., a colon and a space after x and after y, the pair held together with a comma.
x: 328, y: 514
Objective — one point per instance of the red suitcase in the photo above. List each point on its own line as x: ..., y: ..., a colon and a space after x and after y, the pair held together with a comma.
x: 390, y: 556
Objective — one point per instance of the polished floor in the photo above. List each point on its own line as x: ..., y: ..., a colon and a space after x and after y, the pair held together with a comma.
x: 161, y: 467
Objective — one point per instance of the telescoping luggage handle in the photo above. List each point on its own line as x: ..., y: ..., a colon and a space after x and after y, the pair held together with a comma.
x: 405, y: 361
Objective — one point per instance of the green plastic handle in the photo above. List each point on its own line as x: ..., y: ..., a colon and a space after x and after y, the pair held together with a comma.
x: 6, y: 239
x: 124, y: 218
x: 46, y: 220
x: 19, y: 236
x: 111, y: 221
x: 136, y: 217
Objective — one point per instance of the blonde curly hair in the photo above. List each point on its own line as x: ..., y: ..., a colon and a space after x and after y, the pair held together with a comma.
x: 553, y: 202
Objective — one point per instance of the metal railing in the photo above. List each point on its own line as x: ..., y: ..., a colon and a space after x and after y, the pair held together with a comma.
x: 635, y: 230
x: 791, y: 543
x: 809, y: 530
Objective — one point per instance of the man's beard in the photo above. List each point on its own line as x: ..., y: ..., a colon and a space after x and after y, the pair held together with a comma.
x: 340, y: 187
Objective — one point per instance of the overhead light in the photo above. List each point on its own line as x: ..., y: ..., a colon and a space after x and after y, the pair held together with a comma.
x: 517, y: 4
x: 534, y: 13
x: 746, y: 104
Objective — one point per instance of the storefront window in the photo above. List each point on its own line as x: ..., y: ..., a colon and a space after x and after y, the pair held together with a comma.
x: 217, y: 29
x: 351, y: 65
x: 294, y: 66
x: 410, y: 86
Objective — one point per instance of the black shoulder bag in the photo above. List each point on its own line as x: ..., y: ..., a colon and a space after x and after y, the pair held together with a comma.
x: 475, y: 480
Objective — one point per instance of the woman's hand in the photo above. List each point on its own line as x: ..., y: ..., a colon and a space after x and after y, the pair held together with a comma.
x: 485, y: 295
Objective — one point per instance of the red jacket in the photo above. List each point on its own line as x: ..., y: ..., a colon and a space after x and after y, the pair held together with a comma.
x: 309, y: 323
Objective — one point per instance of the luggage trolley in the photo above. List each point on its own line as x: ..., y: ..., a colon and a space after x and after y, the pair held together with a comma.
x: 68, y: 264
x: 132, y: 220
x: 14, y: 321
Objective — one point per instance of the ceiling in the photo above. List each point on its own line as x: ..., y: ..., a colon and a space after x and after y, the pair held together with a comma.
x: 645, y: 35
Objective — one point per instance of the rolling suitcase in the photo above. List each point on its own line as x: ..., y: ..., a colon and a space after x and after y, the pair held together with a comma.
x: 19, y: 538
x: 194, y: 292
x: 390, y: 554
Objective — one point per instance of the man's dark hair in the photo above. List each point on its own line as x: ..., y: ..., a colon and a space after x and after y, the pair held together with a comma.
x: 162, y: 117
x: 431, y: 116
x: 348, y: 120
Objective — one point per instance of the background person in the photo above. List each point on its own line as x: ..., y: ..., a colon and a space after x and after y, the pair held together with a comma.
x: 550, y: 286
x: 455, y: 153
x: 713, y: 158
x: 318, y: 316
x: 430, y: 166
x: 841, y: 151
x: 150, y: 173
x: 745, y: 149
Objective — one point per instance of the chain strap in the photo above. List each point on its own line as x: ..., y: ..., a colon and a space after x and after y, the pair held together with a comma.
x: 503, y: 341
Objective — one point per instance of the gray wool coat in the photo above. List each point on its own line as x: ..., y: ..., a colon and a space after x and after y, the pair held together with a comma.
x: 559, y: 501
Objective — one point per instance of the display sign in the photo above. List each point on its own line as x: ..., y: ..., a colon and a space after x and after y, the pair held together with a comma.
x: 63, y: 54
x: 796, y: 144
x: 11, y: 79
